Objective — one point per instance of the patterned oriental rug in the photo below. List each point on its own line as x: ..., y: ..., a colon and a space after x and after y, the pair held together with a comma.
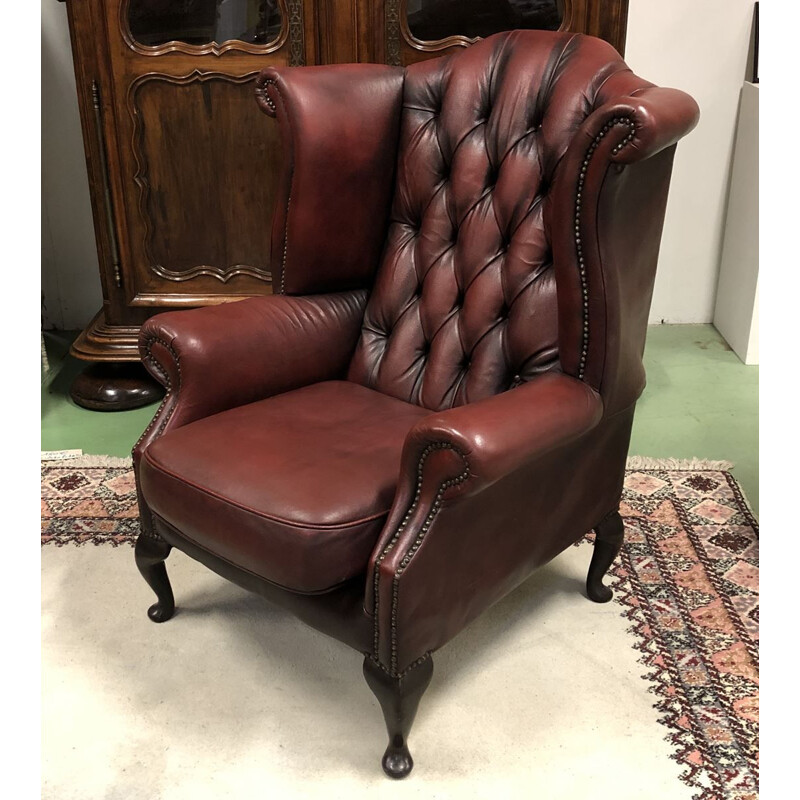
x: 686, y: 581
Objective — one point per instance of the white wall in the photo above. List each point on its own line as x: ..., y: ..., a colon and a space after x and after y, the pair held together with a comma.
x: 70, y: 276
x: 736, y: 307
x: 700, y: 47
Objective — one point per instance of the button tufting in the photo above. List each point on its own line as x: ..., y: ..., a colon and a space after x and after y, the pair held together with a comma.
x: 462, y: 188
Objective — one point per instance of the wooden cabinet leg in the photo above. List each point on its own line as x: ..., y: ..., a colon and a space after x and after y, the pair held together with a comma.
x: 115, y: 386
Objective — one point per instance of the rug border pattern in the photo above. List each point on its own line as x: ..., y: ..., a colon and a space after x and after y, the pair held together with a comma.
x: 629, y: 592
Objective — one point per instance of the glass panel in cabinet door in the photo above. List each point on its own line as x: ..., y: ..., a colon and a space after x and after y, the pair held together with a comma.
x: 198, y: 22
x: 433, y: 20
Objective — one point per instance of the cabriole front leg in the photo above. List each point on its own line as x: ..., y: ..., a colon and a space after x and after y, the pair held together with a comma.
x: 609, y: 535
x: 150, y: 554
x: 399, y: 698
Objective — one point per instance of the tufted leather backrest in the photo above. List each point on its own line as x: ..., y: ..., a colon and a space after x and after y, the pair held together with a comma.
x: 464, y: 304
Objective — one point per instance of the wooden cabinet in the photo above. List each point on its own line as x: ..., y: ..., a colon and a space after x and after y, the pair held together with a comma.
x: 181, y: 160
x: 182, y: 163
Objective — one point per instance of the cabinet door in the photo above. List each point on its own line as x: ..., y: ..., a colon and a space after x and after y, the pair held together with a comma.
x: 414, y: 30
x: 193, y: 162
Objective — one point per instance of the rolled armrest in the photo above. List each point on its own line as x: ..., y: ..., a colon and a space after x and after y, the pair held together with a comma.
x: 652, y: 118
x: 215, y: 358
x: 498, y: 435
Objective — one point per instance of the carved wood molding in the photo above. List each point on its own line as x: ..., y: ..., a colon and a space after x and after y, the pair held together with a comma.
x: 101, y: 341
x: 392, y: 12
x: 297, y: 41
x: 291, y: 29
x: 141, y: 179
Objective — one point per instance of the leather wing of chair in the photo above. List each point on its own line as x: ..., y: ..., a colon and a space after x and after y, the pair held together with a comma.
x: 439, y: 398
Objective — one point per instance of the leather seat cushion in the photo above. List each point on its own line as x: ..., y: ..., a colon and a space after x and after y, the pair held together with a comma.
x: 294, y: 488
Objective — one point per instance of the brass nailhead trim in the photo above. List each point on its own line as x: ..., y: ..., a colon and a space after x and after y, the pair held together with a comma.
x: 434, y: 510
x: 262, y: 93
x: 405, y: 672
x: 578, y: 246
x: 288, y: 199
x: 148, y: 356
x: 162, y: 423
x: 286, y: 235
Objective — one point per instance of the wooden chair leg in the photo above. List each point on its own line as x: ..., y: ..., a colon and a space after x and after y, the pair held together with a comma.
x: 608, y: 542
x: 399, y: 699
x: 150, y: 554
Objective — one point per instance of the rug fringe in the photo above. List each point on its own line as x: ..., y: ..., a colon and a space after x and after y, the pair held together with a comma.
x: 90, y: 461
x: 645, y: 462
x: 634, y: 462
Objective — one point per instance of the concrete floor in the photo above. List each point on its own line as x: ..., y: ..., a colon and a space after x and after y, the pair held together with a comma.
x: 700, y: 401
x: 236, y: 699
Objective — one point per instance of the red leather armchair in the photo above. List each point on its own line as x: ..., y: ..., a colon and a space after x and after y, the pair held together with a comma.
x: 439, y: 399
